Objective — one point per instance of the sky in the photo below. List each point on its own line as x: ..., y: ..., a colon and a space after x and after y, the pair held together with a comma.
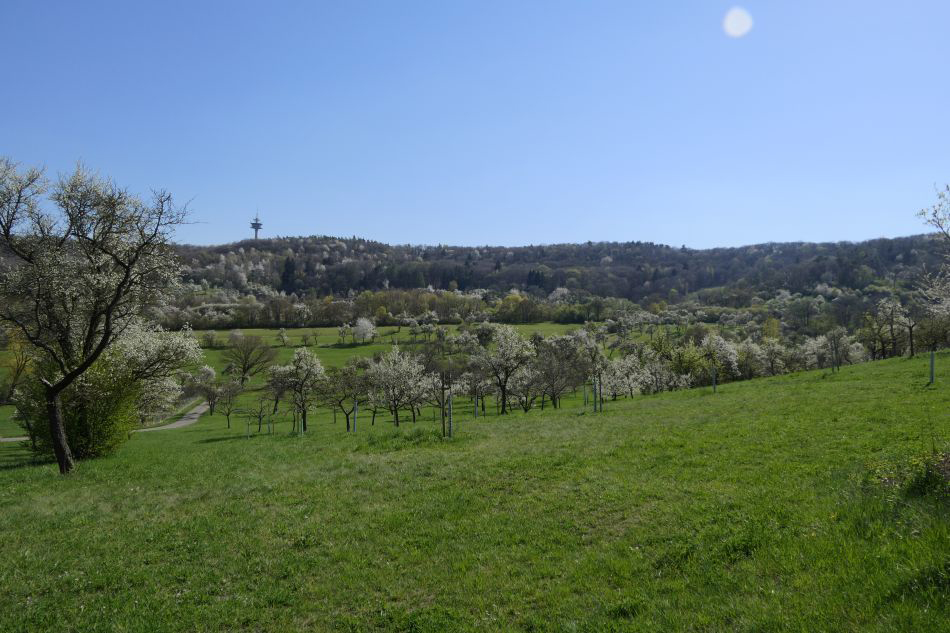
x: 494, y: 122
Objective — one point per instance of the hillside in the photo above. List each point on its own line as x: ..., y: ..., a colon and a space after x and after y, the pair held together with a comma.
x: 638, y: 271
x: 776, y: 504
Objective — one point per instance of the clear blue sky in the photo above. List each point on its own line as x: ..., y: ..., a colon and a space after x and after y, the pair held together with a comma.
x: 494, y: 122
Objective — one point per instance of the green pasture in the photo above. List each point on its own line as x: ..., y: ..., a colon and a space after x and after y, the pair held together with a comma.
x: 332, y: 352
x: 790, y: 503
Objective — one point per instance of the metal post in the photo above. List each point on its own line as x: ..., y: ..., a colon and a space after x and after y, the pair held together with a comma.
x: 932, y: 355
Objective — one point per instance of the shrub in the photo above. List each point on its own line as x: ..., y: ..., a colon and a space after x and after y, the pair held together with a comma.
x: 99, y: 411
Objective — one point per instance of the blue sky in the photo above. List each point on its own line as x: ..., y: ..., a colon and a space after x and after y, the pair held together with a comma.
x: 494, y: 122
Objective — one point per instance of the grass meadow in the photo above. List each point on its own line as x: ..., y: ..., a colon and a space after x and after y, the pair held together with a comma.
x: 781, y: 504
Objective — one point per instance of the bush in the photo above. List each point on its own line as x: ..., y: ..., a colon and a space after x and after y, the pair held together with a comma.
x: 99, y: 411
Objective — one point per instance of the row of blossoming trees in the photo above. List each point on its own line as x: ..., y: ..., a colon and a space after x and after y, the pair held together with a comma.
x: 83, y: 262
x: 493, y: 363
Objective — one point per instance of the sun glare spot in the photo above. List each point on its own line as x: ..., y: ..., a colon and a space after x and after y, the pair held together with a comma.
x: 737, y: 22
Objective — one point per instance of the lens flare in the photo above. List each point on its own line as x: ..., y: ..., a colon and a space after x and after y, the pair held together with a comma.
x: 737, y: 22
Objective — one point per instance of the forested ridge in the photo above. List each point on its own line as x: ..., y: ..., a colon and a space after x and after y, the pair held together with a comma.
x: 639, y: 271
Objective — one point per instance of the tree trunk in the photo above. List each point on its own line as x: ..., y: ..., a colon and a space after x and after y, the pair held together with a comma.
x: 910, y: 336
x: 303, y: 419
x: 504, y: 399
x: 57, y: 431
x: 396, y: 417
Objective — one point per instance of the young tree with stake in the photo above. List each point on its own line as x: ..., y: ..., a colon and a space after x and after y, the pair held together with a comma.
x: 306, y: 377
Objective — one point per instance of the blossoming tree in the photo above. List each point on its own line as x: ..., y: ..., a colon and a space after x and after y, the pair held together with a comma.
x: 75, y: 277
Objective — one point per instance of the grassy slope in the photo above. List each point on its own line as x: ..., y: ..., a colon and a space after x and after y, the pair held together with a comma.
x: 685, y: 511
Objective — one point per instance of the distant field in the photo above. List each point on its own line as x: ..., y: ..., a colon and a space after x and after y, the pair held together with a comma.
x: 333, y: 353
x: 748, y: 510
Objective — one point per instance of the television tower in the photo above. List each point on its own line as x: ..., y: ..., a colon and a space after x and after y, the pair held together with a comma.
x: 256, y: 225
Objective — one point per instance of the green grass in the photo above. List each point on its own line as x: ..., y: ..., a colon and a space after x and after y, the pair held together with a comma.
x: 8, y: 428
x: 750, y: 510
x: 333, y: 353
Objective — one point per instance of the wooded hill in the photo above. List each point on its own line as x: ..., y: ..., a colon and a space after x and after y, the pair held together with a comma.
x: 639, y: 271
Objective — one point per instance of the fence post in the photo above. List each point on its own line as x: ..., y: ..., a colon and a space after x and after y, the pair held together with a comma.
x: 932, y: 355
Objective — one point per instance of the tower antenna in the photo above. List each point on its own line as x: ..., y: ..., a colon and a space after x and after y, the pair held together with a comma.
x: 256, y: 224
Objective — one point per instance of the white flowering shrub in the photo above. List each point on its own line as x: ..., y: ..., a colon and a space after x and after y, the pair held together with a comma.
x: 658, y: 376
x: 722, y: 354
x: 364, y: 330
x: 624, y: 377
x: 398, y: 381
x: 525, y: 386
x: 773, y: 353
x: 750, y: 359
x: 816, y: 352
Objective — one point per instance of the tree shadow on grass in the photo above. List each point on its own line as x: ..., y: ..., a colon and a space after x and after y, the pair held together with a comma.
x: 227, y: 438
x: 15, y: 455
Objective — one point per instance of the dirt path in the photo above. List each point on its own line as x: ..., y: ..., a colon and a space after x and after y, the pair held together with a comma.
x: 186, y: 420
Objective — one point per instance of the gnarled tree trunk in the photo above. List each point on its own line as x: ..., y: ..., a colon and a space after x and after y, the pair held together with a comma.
x: 57, y: 431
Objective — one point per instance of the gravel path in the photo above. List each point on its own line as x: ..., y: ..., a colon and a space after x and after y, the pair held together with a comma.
x: 186, y: 420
